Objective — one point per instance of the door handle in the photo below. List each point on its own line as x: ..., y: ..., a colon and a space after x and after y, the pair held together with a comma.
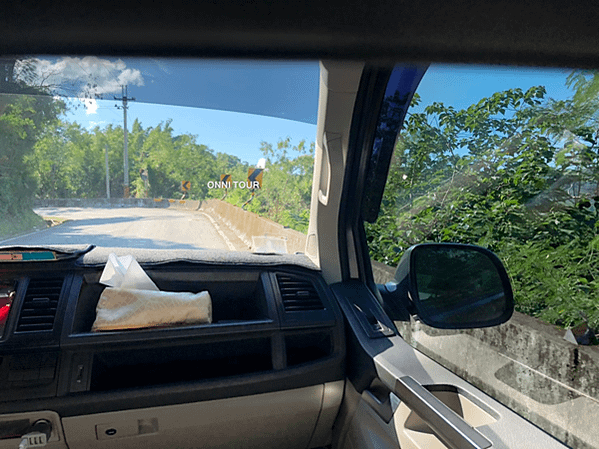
x: 450, y: 428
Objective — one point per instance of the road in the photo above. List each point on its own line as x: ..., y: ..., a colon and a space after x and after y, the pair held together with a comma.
x: 127, y: 227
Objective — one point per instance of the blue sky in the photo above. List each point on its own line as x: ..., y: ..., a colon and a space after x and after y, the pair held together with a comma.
x: 230, y: 106
x: 462, y: 85
x: 283, y: 94
x: 223, y: 131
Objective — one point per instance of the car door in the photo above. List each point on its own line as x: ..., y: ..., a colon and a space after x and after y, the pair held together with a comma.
x: 395, y: 396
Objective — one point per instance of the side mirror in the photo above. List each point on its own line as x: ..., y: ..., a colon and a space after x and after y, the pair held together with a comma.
x: 453, y: 286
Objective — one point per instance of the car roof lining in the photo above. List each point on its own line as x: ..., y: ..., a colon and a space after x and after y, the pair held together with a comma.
x: 530, y: 33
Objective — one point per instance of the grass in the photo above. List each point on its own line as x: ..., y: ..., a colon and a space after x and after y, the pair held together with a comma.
x: 27, y: 221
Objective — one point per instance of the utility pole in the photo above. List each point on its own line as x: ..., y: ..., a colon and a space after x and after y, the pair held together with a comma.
x: 107, y: 173
x: 124, y: 99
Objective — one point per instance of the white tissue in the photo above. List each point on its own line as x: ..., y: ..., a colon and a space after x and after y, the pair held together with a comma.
x: 125, y: 273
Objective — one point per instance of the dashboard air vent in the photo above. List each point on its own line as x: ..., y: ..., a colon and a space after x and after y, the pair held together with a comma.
x: 39, y: 307
x: 298, y: 294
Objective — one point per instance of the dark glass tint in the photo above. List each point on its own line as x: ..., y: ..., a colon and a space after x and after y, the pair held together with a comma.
x: 458, y: 285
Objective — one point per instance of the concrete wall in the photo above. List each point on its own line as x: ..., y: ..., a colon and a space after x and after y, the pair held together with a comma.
x: 247, y: 225
x: 525, y: 364
x: 178, y: 204
x: 119, y: 202
x: 382, y: 273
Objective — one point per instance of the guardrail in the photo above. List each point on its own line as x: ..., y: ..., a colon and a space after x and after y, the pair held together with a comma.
x: 248, y: 225
x: 119, y: 202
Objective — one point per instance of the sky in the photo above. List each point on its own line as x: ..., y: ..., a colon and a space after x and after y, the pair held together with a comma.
x: 231, y: 106
x: 222, y: 131
x: 463, y: 85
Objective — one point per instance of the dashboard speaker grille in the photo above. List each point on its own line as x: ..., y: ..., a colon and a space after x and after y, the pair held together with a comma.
x: 298, y: 294
x: 40, y: 304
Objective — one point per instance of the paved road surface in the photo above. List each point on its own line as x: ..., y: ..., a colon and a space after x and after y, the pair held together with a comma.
x: 126, y: 227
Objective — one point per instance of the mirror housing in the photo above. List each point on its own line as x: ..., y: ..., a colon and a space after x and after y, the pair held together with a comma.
x: 453, y: 286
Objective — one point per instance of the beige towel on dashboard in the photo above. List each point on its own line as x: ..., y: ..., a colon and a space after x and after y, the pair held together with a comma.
x: 120, y: 309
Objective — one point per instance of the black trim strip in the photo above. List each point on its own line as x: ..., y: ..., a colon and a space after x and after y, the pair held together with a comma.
x: 325, y: 370
x: 369, y: 99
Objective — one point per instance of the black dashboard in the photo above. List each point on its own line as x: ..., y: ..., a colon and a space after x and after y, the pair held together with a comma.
x: 275, y: 327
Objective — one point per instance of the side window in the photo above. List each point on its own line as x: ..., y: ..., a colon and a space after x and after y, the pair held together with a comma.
x: 508, y: 159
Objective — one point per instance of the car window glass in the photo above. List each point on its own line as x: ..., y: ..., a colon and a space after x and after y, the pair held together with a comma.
x: 506, y: 158
x: 157, y: 153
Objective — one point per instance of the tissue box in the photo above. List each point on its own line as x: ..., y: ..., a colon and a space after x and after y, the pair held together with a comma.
x: 120, y: 309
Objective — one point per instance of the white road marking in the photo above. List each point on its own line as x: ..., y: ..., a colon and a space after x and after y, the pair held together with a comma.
x: 221, y: 233
x: 2, y: 242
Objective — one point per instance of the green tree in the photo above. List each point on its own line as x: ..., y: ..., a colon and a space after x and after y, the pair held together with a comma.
x: 23, y: 122
x: 172, y: 159
x: 287, y: 184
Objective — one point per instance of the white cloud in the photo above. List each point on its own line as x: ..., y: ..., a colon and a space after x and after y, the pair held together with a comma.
x: 129, y: 76
x: 85, y: 77
x: 261, y: 163
x: 91, y: 106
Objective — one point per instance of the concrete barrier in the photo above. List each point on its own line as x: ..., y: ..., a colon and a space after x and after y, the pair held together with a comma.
x: 382, y: 273
x: 247, y: 225
x: 525, y: 363
x: 119, y: 202
x: 95, y: 202
x: 177, y: 204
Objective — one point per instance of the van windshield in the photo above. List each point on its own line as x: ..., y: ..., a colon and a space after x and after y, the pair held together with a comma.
x: 156, y: 153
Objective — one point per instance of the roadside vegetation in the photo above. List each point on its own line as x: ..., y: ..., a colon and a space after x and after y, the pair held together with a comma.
x: 23, y: 223
x: 23, y: 120
x: 68, y: 161
x: 517, y: 173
